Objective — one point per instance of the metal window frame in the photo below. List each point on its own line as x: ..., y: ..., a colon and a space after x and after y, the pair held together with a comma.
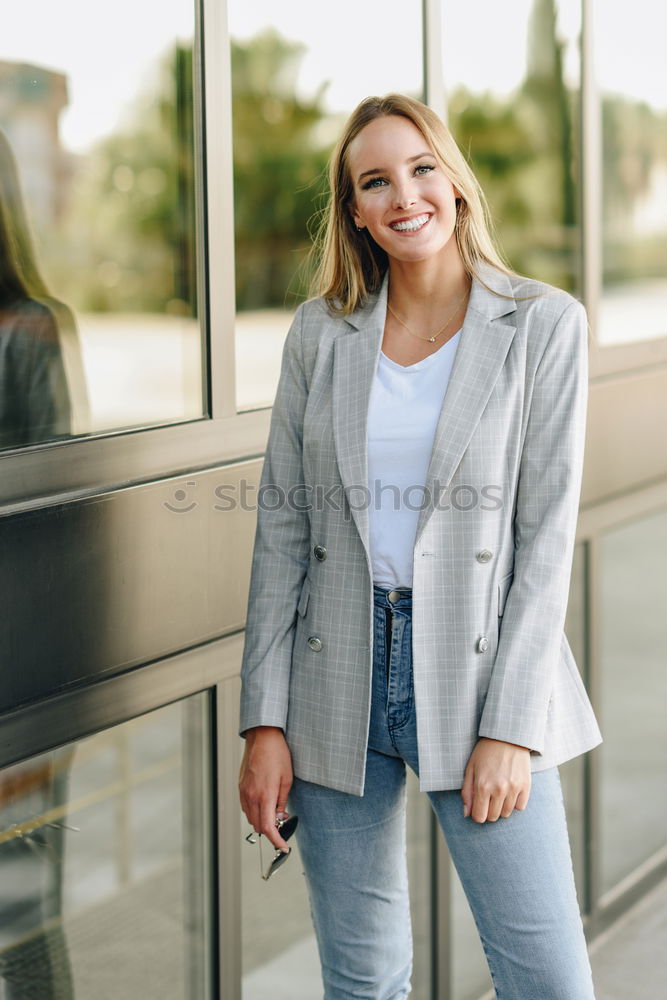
x: 43, y: 474
x: 78, y: 714
x: 83, y: 711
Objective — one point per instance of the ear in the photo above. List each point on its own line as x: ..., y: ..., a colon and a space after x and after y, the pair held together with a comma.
x: 356, y: 218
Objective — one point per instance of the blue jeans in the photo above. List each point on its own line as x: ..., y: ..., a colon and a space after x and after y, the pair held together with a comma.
x: 516, y: 872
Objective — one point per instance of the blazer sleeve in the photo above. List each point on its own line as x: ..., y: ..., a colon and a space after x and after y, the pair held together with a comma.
x: 547, y: 505
x: 281, y: 549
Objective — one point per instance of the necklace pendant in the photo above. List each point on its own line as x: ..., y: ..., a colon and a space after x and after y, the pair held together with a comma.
x: 431, y: 340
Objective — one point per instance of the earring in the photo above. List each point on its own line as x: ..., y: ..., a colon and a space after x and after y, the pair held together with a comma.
x: 359, y: 229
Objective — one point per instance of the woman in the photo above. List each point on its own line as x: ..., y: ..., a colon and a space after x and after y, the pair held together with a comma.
x: 411, y: 569
x: 43, y: 394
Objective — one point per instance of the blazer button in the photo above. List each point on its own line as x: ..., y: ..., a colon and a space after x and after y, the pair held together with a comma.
x: 315, y: 643
x: 482, y: 644
x: 484, y: 555
x: 320, y: 552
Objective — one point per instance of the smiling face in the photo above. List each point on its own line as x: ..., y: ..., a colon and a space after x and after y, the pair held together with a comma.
x: 400, y: 191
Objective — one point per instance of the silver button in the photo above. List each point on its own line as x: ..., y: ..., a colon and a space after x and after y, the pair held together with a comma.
x: 315, y: 643
x: 393, y: 596
x: 484, y: 555
x: 482, y: 644
x: 320, y: 552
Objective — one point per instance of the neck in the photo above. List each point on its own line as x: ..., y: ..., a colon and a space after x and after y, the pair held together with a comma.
x: 426, y: 287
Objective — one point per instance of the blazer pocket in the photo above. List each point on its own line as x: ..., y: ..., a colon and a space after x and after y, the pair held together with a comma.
x: 503, y: 590
x: 303, y: 599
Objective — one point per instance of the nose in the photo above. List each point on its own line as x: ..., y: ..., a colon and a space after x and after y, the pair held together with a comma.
x: 404, y: 194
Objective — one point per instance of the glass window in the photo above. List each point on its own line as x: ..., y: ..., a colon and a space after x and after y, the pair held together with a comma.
x: 104, y: 887
x: 296, y: 76
x: 633, y: 691
x: 629, y: 57
x: 514, y: 109
x: 98, y: 297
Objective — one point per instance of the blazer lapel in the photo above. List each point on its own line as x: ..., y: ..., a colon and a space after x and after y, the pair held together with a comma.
x: 479, y: 358
x: 356, y: 355
x: 478, y: 361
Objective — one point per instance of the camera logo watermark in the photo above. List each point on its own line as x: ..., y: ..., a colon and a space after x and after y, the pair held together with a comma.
x: 180, y: 496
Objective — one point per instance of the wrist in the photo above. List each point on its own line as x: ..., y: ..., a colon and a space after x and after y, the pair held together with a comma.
x: 262, y: 732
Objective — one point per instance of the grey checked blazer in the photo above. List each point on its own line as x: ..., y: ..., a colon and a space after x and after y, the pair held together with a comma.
x: 492, y: 555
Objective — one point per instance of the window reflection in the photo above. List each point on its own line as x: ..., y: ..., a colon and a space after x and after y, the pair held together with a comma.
x: 631, y: 78
x: 515, y: 108
x: 633, y: 693
x: 102, y: 874
x: 34, y: 956
x: 295, y: 79
x: 98, y: 303
x: 37, y: 333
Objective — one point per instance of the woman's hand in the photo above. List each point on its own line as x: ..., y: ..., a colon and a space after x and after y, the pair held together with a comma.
x: 496, y: 780
x: 265, y: 780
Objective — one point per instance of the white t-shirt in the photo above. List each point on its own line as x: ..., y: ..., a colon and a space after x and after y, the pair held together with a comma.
x: 404, y: 408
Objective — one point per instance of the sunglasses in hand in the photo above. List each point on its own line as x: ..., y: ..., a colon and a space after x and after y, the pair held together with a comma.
x: 287, y: 826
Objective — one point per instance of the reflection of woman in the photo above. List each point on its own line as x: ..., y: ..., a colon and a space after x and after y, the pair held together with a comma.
x: 41, y: 376
x: 34, y: 959
x: 386, y: 627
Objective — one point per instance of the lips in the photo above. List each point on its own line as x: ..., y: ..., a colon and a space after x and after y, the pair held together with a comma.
x: 412, y: 225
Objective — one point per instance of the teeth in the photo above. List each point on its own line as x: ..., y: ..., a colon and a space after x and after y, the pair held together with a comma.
x: 411, y: 224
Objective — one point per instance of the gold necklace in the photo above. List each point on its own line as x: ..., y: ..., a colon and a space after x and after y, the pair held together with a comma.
x: 442, y: 329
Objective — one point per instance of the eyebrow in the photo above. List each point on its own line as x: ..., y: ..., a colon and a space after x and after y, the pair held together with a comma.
x: 382, y: 170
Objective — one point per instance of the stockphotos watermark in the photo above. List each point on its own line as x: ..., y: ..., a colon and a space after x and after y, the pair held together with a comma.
x: 308, y: 498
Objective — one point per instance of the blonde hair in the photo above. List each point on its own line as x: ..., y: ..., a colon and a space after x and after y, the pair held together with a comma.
x: 349, y: 265
x: 20, y: 277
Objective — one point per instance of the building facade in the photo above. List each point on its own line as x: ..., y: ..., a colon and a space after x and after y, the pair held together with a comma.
x: 155, y: 212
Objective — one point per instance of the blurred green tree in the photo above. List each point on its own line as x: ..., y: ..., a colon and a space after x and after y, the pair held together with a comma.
x: 634, y: 139
x: 128, y: 242
x: 279, y: 169
x: 522, y: 149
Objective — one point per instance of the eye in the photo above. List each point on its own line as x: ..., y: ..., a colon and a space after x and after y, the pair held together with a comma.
x: 424, y: 168
x: 373, y: 182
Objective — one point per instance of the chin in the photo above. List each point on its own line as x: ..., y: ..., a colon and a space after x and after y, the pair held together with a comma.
x: 414, y: 255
